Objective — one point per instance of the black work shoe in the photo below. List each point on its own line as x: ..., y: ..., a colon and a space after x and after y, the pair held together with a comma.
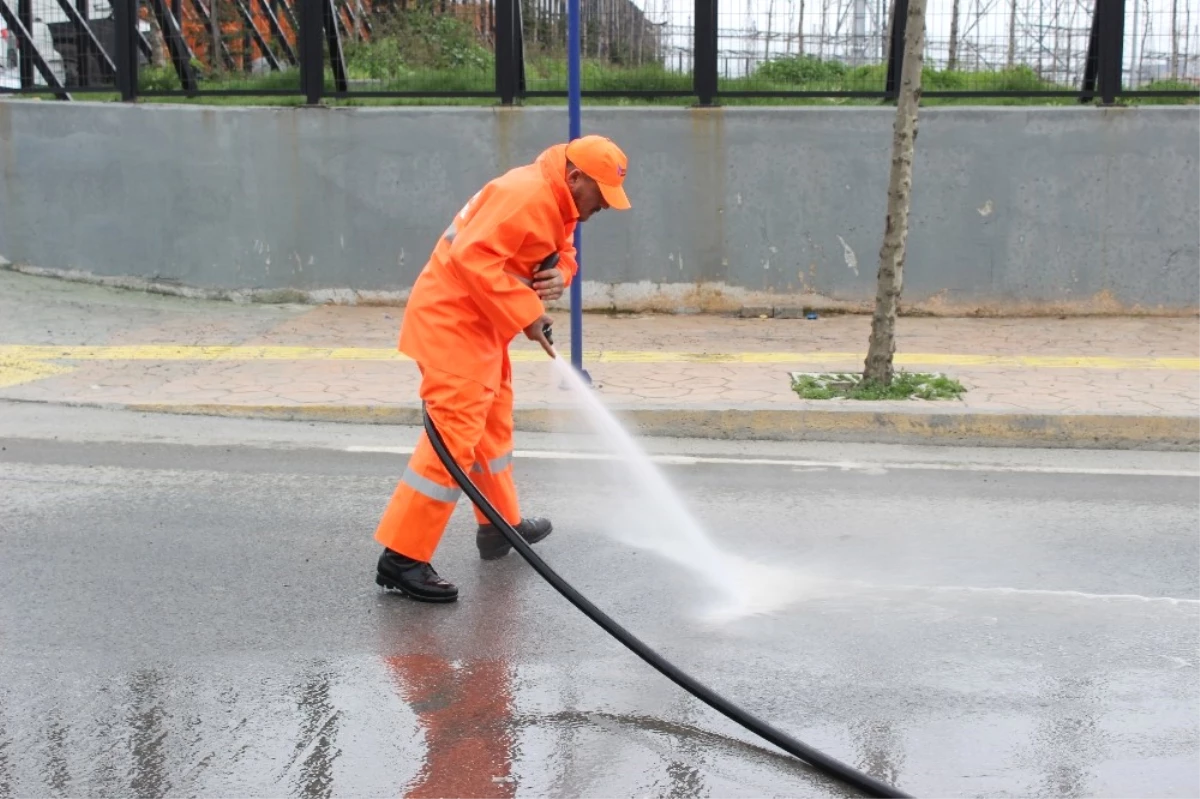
x: 492, y: 543
x: 413, y: 578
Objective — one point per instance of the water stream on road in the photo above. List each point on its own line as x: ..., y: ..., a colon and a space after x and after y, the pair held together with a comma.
x: 651, y: 515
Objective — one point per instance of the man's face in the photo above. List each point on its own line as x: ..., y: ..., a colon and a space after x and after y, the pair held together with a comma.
x: 588, y: 198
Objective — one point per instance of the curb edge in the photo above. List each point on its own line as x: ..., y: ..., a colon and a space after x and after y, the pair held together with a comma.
x: 1077, y: 431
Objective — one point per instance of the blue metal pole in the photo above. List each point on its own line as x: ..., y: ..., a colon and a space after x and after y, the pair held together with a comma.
x: 573, y: 47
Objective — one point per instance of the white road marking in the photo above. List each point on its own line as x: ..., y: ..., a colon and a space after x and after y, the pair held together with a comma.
x: 1170, y: 600
x: 834, y: 586
x: 811, y: 465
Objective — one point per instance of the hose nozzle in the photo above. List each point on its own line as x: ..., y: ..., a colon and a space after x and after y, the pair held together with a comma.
x: 550, y: 262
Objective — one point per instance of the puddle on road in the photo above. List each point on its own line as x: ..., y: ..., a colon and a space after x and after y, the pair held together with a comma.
x: 425, y: 720
x: 415, y: 725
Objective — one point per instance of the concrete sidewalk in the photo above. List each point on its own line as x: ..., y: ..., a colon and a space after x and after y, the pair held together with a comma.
x: 1092, y: 382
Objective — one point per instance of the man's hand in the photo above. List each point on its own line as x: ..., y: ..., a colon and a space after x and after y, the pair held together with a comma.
x: 535, y: 333
x: 549, y: 284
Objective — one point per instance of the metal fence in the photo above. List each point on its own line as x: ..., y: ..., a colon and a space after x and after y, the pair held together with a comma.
x: 708, y: 50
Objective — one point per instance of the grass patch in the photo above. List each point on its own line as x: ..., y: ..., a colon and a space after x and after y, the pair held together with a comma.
x: 1166, y: 86
x: 904, y: 385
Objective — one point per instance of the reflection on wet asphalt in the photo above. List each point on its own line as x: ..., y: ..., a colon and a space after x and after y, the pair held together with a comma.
x: 187, y: 622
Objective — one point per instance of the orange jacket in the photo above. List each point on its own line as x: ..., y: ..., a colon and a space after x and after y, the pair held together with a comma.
x: 474, y: 295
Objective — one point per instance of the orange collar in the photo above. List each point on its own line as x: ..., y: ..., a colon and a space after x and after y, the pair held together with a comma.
x: 553, y: 163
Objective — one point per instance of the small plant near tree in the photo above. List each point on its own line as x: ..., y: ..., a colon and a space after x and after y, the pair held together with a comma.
x: 904, y: 385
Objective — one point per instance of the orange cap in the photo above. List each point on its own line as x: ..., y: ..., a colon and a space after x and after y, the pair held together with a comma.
x: 602, y: 161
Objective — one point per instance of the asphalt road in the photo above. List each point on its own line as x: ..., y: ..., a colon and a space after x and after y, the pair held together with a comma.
x: 188, y: 610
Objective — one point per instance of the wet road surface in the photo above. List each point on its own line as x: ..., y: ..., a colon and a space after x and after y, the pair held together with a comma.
x: 201, y: 620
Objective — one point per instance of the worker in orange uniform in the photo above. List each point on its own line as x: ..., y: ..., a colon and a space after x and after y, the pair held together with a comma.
x: 478, y: 290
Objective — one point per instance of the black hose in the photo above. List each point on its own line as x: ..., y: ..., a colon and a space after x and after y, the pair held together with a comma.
x: 818, y: 760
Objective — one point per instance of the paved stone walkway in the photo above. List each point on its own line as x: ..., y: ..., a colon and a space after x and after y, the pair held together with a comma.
x: 72, y: 343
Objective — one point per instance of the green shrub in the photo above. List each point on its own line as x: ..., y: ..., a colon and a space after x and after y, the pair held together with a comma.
x: 800, y: 71
x: 407, y: 41
x: 871, y: 78
x: 379, y: 59
x: 1017, y: 79
x: 157, y: 79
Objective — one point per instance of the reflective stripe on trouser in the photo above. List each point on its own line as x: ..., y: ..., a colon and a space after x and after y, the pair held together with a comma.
x: 476, y: 425
x: 493, y: 457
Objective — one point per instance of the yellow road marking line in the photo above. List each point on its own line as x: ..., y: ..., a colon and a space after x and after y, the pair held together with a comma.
x: 15, y: 371
x: 181, y: 352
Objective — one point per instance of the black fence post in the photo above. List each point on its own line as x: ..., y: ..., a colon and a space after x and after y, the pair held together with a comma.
x: 25, y: 48
x: 896, y: 50
x: 1091, y: 65
x: 1111, y: 20
x: 506, y: 51
x: 125, y: 20
x: 312, y: 55
x: 337, y: 59
x: 704, y: 50
x: 85, y: 51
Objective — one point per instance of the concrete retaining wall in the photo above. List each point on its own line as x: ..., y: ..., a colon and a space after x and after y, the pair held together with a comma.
x: 1015, y: 209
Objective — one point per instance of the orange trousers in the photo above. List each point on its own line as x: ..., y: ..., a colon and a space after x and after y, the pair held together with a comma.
x: 477, y: 425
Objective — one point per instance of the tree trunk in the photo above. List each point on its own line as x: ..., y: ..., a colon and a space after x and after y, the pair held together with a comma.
x: 887, y: 34
x: 214, y: 19
x: 800, y: 30
x: 1187, y: 38
x: 1174, y: 39
x: 952, y: 62
x: 767, y: 46
x: 978, y: 27
x: 1012, y: 34
x: 879, y: 363
x: 860, y: 32
x: 824, y: 29
x: 1057, y: 60
x: 1145, y: 37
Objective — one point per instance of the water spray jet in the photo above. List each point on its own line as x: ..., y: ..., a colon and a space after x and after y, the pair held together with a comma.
x: 815, y: 758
